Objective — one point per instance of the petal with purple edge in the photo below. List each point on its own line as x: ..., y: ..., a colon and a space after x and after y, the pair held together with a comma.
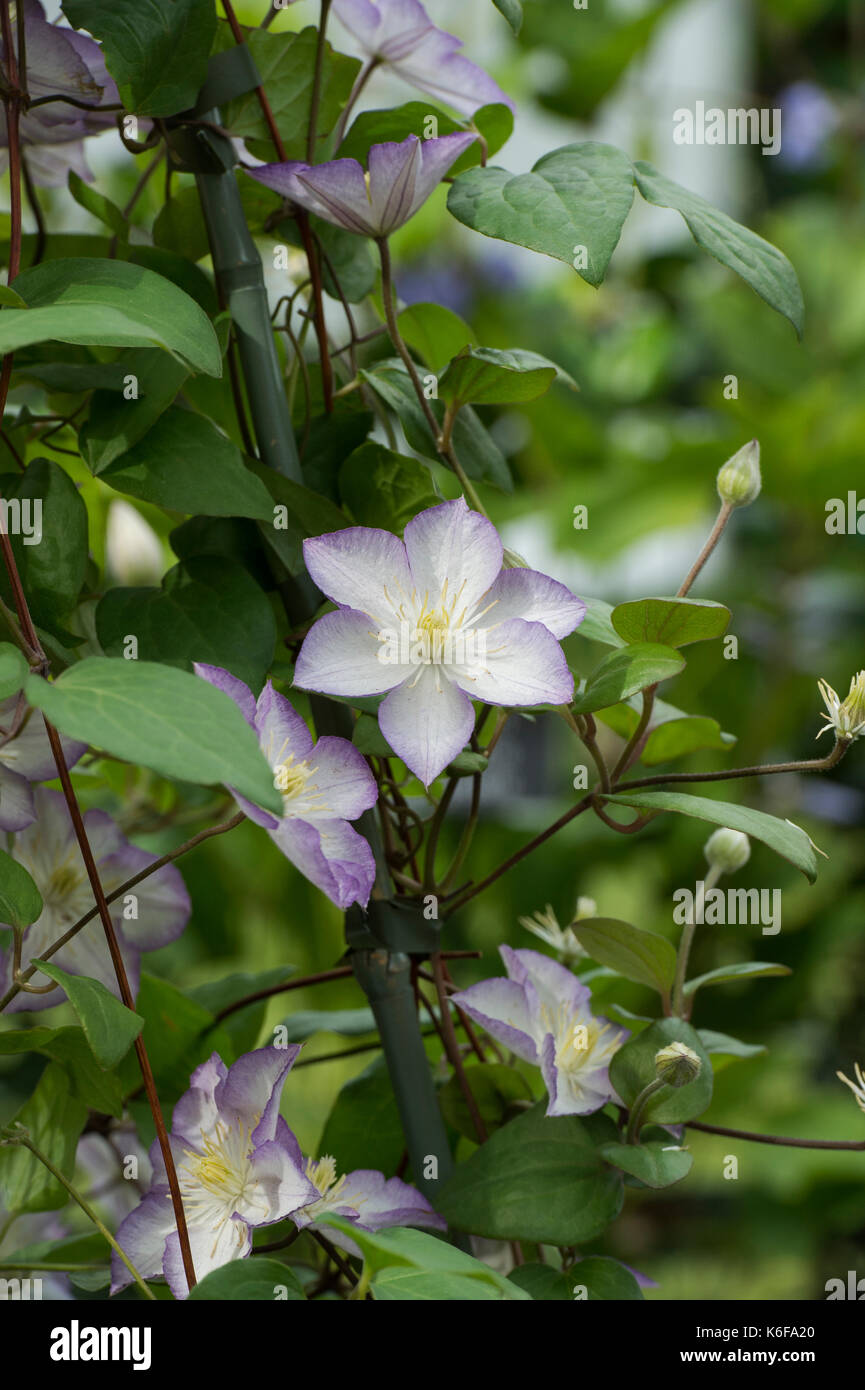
x: 281, y: 731
x: 394, y: 173
x: 230, y: 685
x: 451, y: 544
x: 343, y: 779
x: 17, y: 809
x: 141, y: 1237
x: 342, y: 654
x: 381, y: 1201
x: 29, y: 752
x: 337, y: 191
x: 362, y: 568
x: 280, y: 1186
x: 501, y: 1007
x: 211, y: 1248
x: 253, y: 1086
x: 162, y: 904
x: 427, y: 721
x: 535, y: 597
x: 331, y: 855
x: 554, y: 984
x: 196, y: 1113
x: 522, y: 664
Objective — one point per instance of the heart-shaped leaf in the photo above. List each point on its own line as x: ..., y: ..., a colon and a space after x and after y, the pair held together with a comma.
x: 673, y: 621
x: 633, y: 1068
x: 626, y: 671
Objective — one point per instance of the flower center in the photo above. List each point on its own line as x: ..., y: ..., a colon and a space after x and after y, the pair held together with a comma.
x: 291, y: 777
x: 322, y: 1175
x: 433, y: 630
x: 222, y: 1172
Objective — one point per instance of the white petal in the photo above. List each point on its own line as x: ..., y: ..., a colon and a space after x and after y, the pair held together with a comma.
x: 361, y: 568
x: 341, y: 656
x: 520, y: 593
x: 450, y: 543
x: 523, y: 665
x: 427, y: 721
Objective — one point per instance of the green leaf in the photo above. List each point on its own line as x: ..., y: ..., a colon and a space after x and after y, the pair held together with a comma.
x: 178, y: 1033
x: 626, y: 671
x: 746, y: 970
x: 13, y: 670
x: 348, y: 1023
x: 512, y: 11
x: 495, y: 1088
x: 596, y: 625
x: 52, y: 571
x: 655, y: 1163
x: 208, y: 609
x: 116, y: 423
x: 295, y: 512
x: 537, y: 1179
x: 672, y: 733
x: 603, y: 1280
x: 363, y: 1129
x: 111, y: 303
x: 369, y: 739
x: 724, y: 1049
x: 673, y: 621
x: 20, y: 899
x: 109, y: 1027
x: 184, y: 463
x: 404, y: 1264
x: 435, y: 332
x: 97, y: 1088
x: 156, y: 52
x: 217, y: 995
x: 494, y: 123
x: 782, y: 836
x: 97, y: 205
x: 11, y: 298
x: 639, y: 955
x: 287, y: 65
x: 543, y: 1283
x: 385, y: 489
x: 633, y: 1067
x: 267, y: 1281
x: 574, y: 201
x: 54, y: 1119
x: 489, y: 376
x: 167, y: 720
x: 466, y: 764
x: 761, y: 265
x: 479, y: 455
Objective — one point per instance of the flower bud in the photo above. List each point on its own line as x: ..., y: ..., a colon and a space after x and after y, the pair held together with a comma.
x: 513, y: 561
x: 586, y: 907
x: 727, y: 850
x: 739, y: 479
x: 677, y: 1064
x: 847, y: 716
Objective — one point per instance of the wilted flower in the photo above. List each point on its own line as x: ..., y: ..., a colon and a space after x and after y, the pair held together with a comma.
x: 366, y: 1198
x: 727, y: 850
x: 846, y: 717
x: 857, y: 1086
x: 401, y: 34
x: 59, y: 62
x: 152, y: 915
x: 401, y: 176
x: 237, y: 1165
x: 541, y: 1012
x: 25, y: 757
x: 546, y: 925
x: 436, y: 622
x: 323, y: 787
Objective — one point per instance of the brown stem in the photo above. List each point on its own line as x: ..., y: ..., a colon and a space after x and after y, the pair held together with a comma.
x: 714, y: 536
x: 854, y: 1144
x: 338, y: 973
x: 449, y: 1037
x: 728, y: 774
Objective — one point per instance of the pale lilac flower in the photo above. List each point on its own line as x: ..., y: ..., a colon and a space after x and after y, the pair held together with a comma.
x: 323, y: 787
x: 366, y: 1198
x: 26, y: 757
x: 542, y: 1013
x: 153, y: 914
x: 401, y: 34
x: 237, y: 1166
x: 437, y: 622
x: 59, y: 61
x: 401, y: 176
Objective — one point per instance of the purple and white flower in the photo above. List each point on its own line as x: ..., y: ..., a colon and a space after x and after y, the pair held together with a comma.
x: 26, y: 757
x: 366, y: 1198
x: 238, y: 1168
x: 437, y: 622
x: 59, y: 62
x: 401, y: 34
x: 400, y: 177
x: 150, y: 916
x: 542, y: 1013
x: 324, y: 786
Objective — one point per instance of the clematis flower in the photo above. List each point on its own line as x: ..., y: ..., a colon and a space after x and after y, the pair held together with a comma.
x: 25, y: 757
x: 541, y: 1012
x: 323, y: 788
x: 400, y: 178
x: 59, y: 62
x: 847, y: 716
x: 401, y: 34
x: 366, y: 1198
x: 154, y: 914
x: 236, y: 1165
x: 438, y: 623
x: 546, y: 925
x: 857, y: 1086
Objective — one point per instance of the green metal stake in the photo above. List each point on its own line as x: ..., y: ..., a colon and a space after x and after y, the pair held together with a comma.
x: 381, y: 940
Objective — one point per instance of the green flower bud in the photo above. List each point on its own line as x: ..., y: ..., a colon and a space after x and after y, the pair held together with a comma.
x: 512, y: 561
x: 727, y: 850
x: 677, y: 1064
x: 739, y: 479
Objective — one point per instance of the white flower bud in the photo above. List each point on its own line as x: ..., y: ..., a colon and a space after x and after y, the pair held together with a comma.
x: 727, y: 850
x: 677, y: 1064
x: 586, y: 907
x: 739, y: 479
x: 133, y: 551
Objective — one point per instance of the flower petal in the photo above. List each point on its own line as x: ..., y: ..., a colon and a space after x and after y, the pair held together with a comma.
x: 196, y: 1114
x: 450, y: 543
x: 522, y: 664
x: 142, y: 1236
x: 253, y: 1086
x: 554, y: 984
x: 394, y: 170
x: 342, y: 655
x: 343, y: 779
x: 427, y: 721
x: 362, y: 568
x: 527, y: 594
x: 281, y: 1186
x: 230, y: 685
x: 29, y: 752
x: 281, y: 731
x: 17, y: 809
x: 501, y: 1007
x: 331, y: 855
x: 211, y: 1248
